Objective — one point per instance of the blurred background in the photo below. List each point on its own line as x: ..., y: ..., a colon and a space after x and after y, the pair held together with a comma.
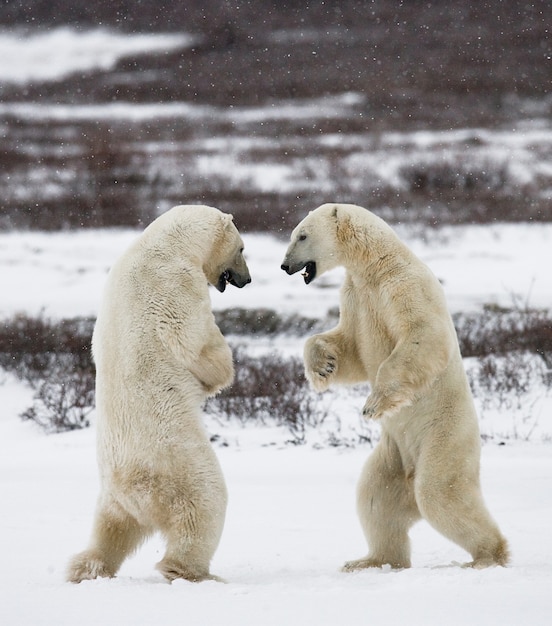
x: 431, y: 112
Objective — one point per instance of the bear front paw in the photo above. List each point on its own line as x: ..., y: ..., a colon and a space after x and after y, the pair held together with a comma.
x: 326, y: 367
x: 378, y: 406
x: 369, y: 410
x: 320, y: 366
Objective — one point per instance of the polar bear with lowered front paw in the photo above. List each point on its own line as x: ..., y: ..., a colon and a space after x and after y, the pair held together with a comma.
x: 159, y: 355
x: 396, y: 333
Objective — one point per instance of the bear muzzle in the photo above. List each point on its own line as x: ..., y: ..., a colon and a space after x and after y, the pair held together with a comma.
x: 234, y: 278
x: 309, y: 268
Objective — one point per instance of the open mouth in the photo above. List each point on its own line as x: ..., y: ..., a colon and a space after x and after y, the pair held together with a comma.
x: 238, y: 280
x: 223, y: 280
x: 309, y: 272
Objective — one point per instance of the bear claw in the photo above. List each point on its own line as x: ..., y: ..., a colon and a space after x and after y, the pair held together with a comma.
x: 328, y: 368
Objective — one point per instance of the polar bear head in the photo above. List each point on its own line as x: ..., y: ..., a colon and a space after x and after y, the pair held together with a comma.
x: 336, y: 235
x: 314, y: 244
x: 204, y: 236
x: 225, y: 262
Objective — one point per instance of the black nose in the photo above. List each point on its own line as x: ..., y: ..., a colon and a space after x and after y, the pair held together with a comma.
x: 285, y: 268
x: 239, y: 281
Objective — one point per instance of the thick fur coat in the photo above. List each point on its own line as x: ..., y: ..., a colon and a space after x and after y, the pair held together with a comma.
x: 159, y: 355
x: 395, y: 332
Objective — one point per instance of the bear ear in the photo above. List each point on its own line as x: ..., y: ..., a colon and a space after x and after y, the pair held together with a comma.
x: 227, y: 219
x: 343, y: 224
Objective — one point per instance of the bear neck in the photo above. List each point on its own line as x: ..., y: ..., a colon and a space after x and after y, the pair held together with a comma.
x: 169, y: 244
x: 375, y: 255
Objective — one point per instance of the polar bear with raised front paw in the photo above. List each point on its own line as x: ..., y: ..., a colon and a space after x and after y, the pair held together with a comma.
x: 396, y: 333
x: 159, y: 355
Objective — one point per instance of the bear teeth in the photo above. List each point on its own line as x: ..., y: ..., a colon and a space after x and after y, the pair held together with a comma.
x: 310, y: 272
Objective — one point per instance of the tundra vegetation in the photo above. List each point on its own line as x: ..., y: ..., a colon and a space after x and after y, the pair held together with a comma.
x: 401, y: 108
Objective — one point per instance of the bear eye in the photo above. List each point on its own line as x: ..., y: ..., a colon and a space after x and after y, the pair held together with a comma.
x: 302, y: 237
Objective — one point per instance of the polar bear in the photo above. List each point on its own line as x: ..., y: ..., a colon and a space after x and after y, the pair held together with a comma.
x: 395, y: 332
x: 159, y: 355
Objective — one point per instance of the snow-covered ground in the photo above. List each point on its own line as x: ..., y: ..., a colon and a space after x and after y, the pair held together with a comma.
x: 291, y: 519
x: 291, y: 524
x: 63, y: 273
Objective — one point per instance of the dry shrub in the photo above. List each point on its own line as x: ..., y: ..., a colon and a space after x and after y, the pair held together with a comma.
x: 416, y: 65
x: 62, y: 399
x: 513, y: 363
x: 54, y: 359
x: 456, y: 174
x: 269, y: 389
x: 463, y: 189
x: 505, y: 380
x: 513, y: 347
x: 262, y: 322
x: 510, y: 387
x: 27, y: 344
x: 499, y: 331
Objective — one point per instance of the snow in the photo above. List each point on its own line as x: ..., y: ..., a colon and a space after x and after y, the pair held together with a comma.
x: 308, y: 109
x: 291, y: 520
x: 291, y: 524
x: 62, y: 274
x: 57, y: 53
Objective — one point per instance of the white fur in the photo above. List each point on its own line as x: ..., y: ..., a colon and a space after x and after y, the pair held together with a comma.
x: 158, y: 355
x: 395, y: 331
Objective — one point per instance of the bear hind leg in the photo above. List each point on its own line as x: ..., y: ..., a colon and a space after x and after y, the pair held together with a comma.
x: 187, y: 557
x: 192, y: 537
x: 115, y: 536
x: 458, y: 512
x: 387, y: 509
x: 192, y: 528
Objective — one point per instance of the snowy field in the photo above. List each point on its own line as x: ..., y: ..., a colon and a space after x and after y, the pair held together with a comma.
x: 62, y: 274
x: 291, y: 519
x: 55, y: 54
x: 291, y: 523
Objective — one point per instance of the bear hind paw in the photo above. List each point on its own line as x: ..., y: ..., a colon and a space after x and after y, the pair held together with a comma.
x: 500, y: 555
x: 368, y: 562
x: 87, y: 566
x: 172, y: 570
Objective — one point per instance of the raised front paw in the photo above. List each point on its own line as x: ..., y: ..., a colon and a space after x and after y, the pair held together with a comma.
x: 320, y: 364
x: 370, y: 409
x: 214, y: 369
x: 380, y: 405
x: 221, y: 377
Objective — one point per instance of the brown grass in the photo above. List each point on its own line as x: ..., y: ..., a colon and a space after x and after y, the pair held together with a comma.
x: 417, y: 65
x: 54, y: 358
